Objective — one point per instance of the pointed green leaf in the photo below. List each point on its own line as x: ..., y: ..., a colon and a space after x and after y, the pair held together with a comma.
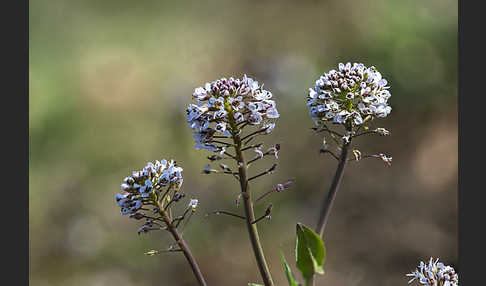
x: 288, y: 271
x: 316, y: 246
x: 309, y: 252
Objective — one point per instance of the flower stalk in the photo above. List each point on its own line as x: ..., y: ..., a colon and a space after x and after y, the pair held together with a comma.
x: 223, y: 108
x: 143, y: 196
x: 331, y: 195
x: 349, y: 97
x: 182, y: 245
x: 250, y: 215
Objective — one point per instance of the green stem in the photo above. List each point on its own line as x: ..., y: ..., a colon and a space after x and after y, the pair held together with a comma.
x: 331, y: 196
x: 183, y: 246
x: 247, y: 201
x: 250, y: 215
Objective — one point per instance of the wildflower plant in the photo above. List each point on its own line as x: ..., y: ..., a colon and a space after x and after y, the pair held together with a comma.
x: 227, y: 116
x: 150, y: 195
x: 434, y: 273
x: 342, y: 104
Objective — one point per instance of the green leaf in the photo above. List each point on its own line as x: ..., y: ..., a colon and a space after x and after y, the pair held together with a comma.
x: 254, y: 284
x: 310, y: 252
x: 288, y: 271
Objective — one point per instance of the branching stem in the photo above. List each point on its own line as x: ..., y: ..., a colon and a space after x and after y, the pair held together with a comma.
x: 183, y: 246
x: 331, y: 195
x: 250, y: 215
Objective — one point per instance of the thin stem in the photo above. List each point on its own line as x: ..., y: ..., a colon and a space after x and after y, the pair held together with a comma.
x: 269, y: 171
x: 259, y: 219
x: 253, y: 133
x: 180, y: 218
x: 183, y: 246
x: 331, y: 195
x: 229, y: 155
x: 221, y: 142
x: 364, y: 133
x: 266, y: 215
x: 218, y: 212
x: 250, y: 215
x: 252, y: 146
x: 258, y: 157
x: 265, y: 194
x: 332, y: 154
x: 186, y: 222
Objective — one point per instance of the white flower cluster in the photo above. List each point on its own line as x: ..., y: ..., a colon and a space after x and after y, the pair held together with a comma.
x: 434, y: 273
x: 225, y: 103
x: 349, y: 95
x: 141, y: 184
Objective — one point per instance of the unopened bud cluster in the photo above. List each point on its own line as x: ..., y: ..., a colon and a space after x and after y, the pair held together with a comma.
x: 226, y: 103
x: 350, y: 95
x: 434, y: 273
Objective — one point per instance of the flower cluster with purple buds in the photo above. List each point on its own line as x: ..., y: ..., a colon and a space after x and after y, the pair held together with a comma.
x: 225, y: 104
x: 350, y: 95
x: 434, y: 273
x: 148, y: 193
x: 222, y: 119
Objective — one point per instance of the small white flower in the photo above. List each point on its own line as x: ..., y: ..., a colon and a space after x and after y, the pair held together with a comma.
x: 341, y: 117
x: 255, y: 118
x: 259, y: 153
x: 194, y: 111
x: 125, y: 187
x: 220, y: 127
x: 382, y: 131
x: 274, y: 150
x: 193, y: 204
x: 268, y: 128
x: 222, y: 150
x: 272, y: 113
x: 358, y: 120
x: 121, y: 199
x: 238, y: 116
x: 347, y: 137
x: 220, y: 114
x: 200, y: 93
x: 312, y: 93
x: 262, y: 95
x: 386, y: 159
x: 164, y: 179
x: 236, y: 103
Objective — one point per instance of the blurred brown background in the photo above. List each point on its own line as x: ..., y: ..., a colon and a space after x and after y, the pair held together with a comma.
x: 109, y: 82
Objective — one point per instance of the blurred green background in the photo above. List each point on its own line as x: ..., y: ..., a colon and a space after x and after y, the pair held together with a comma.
x: 109, y: 83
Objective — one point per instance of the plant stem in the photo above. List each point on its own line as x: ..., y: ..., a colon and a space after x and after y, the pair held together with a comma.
x: 183, y: 246
x: 331, y: 196
x: 250, y: 215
